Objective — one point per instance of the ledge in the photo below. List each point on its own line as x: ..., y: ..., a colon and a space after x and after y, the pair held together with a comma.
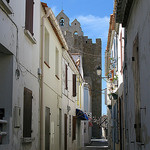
x: 46, y: 64
x: 6, y: 6
x: 29, y: 35
x: 27, y: 140
x: 57, y: 77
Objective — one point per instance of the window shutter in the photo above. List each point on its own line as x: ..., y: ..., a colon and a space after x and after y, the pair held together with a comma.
x: 74, y: 85
x: 73, y: 128
x: 137, y: 100
x: 27, y: 113
x: 29, y: 16
x: 66, y: 79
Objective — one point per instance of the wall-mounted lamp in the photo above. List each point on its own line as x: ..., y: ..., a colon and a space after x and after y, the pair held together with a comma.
x: 99, y: 72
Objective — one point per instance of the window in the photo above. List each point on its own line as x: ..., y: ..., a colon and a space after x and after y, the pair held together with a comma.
x: 29, y: 16
x: 75, y: 33
x: 61, y: 22
x: 74, y: 85
x: 7, y: 1
x: 73, y: 128
x: 46, y: 52
x: 66, y: 77
x: 136, y: 75
x: 27, y: 113
x: 57, y: 64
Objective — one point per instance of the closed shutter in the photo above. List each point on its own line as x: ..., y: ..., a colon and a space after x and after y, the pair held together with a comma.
x: 137, y: 100
x: 66, y: 78
x: 29, y: 16
x: 74, y: 128
x: 27, y: 113
x: 74, y: 85
x: 65, y: 135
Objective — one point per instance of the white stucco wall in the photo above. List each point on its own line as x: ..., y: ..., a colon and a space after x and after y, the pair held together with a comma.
x: 25, y: 56
x: 138, y: 23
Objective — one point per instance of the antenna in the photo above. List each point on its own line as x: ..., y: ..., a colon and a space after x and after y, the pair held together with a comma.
x: 62, y: 5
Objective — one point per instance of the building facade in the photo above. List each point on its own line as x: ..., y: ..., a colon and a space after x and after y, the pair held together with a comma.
x: 19, y: 79
x: 91, y: 54
x: 134, y: 16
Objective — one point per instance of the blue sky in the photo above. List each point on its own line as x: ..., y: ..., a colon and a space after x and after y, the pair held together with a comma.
x: 93, y: 16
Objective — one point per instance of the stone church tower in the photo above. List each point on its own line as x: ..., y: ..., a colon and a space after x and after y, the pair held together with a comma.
x: 91, y: 54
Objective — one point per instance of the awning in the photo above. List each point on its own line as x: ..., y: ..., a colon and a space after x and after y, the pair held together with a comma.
x: 80, y: 114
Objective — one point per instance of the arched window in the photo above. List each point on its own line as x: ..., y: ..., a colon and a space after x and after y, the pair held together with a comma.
x: 75, y: 33
x: 61, y: 22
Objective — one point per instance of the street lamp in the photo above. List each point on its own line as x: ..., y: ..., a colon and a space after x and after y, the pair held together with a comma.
x: 99, y: 72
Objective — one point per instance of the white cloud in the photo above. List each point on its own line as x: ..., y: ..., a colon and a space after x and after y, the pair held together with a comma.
x: 95, y: 27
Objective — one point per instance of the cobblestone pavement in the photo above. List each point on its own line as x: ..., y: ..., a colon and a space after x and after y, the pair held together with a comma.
x: 96, y: 144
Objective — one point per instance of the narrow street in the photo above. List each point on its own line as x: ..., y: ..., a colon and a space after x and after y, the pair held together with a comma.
x: 97, y: 144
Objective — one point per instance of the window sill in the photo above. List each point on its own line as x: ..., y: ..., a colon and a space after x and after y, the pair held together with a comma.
x: 46, y: 64
x: 6, y: 6
x: 57, y: 77
x: 29, y: 35
x: 27, y: 139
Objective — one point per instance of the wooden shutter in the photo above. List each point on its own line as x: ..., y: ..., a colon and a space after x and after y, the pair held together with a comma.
x: 27, y: 113
x: 74, y: 85
x: 47, y: 128
x: 121, y: 52
x: 65, y: 135
x: 66, y: 77
x: 74, y: 128
x: 29, y: 16
x: 137, y: 100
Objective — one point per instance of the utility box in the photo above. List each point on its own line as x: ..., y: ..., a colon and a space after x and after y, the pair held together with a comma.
x: 16, y: 117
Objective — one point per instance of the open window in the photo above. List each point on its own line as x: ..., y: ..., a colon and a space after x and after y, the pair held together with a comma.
x: 61, y: 22
x: 75, y: 33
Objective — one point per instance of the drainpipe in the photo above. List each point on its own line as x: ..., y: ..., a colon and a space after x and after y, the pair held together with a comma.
x: 42, y: 66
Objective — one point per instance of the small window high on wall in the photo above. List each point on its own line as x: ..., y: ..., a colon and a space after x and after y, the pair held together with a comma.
x: 61, y: 22
x: 75, y: 33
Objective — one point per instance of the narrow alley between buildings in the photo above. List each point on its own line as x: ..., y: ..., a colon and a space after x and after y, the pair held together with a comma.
x: 52, y: 82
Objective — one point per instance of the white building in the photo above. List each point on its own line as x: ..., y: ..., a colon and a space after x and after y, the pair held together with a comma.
x: 19, y: 80
x: 134, y: 16
x: 52, y: 47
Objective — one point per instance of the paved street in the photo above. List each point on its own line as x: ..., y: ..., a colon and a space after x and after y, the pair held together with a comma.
x: 97, y: 144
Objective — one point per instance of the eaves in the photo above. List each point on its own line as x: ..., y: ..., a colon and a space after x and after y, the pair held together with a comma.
x: 123, y: 9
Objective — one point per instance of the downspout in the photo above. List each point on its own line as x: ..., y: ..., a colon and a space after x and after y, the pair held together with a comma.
x: 42, y: 66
